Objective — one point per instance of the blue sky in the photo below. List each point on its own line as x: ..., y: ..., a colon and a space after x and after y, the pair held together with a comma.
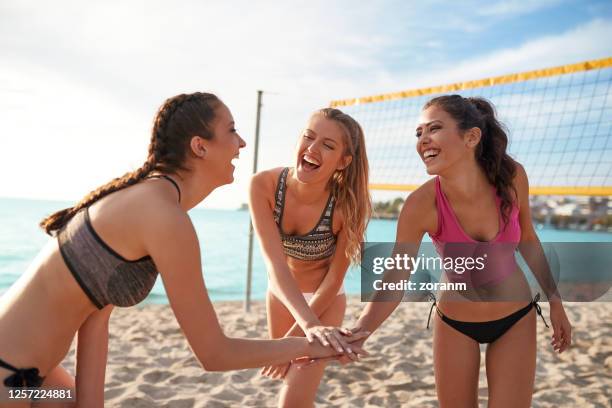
x: 80, y: 81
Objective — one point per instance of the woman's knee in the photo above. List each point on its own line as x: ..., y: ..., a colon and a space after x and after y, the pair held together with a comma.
x: 300, y: 386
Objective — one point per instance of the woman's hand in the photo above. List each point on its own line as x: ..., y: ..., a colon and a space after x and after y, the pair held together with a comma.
x: 562, y: 329
x: 318, y: 350
x: 333, y: 337
x: 319, y: 354
x: 357, y: 340
x: 359, y: 343
x: 277, y: 371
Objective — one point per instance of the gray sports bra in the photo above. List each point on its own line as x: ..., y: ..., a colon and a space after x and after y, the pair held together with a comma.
x: 319, y: 243
x: 104, y: 275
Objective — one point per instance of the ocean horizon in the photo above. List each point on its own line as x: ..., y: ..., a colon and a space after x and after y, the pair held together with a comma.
x: 224, y: 261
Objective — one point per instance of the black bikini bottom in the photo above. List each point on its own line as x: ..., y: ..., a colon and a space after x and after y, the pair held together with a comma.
x: 487, y: 332
x: 23, y: 377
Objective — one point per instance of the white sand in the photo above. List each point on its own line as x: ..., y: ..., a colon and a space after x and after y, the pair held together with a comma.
x: 151, y: 365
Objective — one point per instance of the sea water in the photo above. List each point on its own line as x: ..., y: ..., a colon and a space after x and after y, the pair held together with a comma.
x: 223, y: 236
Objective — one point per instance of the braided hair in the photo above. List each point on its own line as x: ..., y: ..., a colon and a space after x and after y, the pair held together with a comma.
x: 176, y: 122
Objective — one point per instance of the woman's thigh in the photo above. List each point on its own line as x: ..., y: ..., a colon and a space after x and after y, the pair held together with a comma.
x: 511, y: 362
x: 280, y: 319
x: 456, y: 366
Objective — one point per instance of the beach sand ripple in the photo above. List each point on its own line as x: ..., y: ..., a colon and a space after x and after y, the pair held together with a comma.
x: 151, y: 365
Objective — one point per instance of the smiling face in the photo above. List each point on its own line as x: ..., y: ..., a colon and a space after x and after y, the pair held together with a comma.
x: 321, y: 150
x: 223, y: 147
x: 441, y: 144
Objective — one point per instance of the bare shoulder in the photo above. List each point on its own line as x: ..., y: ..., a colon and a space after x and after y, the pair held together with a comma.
x: 520, y: 178
x: 160, y: 216
x: 520, y: 183
x: 421, y: 200
x: 419, y: 209
x: 266, y: 180
x: 263, y: 188
x: 141, y: 205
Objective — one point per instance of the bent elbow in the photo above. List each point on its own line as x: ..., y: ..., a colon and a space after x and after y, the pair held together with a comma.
x: 216, y: 358
x: 211, y: 363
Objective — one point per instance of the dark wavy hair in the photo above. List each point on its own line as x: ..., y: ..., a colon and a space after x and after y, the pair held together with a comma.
x: 490, y: 153
x: 176, y: 122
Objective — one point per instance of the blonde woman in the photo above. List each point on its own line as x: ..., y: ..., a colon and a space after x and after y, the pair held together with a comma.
x: 311, y: 219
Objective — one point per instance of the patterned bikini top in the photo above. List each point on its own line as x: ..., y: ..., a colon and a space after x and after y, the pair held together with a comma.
x: 319, y: 243
x: 105, y: 276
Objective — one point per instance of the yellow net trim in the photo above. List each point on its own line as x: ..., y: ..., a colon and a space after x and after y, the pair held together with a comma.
x: 479, y: 83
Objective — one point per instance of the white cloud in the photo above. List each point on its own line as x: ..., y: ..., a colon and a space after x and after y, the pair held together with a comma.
x: 585, y: 42
x: 80, y: 82
x: 512, y: 8
x: 588, y: 41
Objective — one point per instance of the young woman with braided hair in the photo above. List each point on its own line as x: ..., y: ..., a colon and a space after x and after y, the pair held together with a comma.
x: 108, y: 250
x: 327, y: 188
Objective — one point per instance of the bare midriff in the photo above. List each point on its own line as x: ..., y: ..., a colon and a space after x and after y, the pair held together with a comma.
x: 308, y: 274
x: 37, y: 328
x: 514, y: 293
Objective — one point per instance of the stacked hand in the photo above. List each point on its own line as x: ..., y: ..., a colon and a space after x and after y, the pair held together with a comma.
x: 344, y: 358
x: 327, y: 343
x: 333, y: 337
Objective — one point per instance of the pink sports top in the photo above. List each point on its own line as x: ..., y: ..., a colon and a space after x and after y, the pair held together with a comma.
x: 451, y: 241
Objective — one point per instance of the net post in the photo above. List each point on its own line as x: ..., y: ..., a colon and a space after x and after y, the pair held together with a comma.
x: 247, y: 300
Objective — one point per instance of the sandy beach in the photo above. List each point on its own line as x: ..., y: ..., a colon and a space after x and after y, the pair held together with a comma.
x: 150, y: 364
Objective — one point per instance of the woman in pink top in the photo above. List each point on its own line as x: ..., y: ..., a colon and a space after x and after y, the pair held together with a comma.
x: 478, y: 199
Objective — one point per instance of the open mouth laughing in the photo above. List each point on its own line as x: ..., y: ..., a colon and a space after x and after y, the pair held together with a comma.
x: 309, y: 163
x: 430, y: 154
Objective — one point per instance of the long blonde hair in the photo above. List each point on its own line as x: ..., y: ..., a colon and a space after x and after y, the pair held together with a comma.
x: 350, y: 185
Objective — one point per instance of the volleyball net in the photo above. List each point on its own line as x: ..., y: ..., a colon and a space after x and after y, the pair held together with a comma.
x: 559, y: 121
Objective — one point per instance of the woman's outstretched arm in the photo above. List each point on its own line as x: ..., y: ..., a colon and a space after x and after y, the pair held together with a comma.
x: 530, y: 246
x: 91, y: 356
x: 282, y: 283
x: 411, y: 226
x: 410, y: 230
x: 173, y: 245
x: 321, y: 300
x: 331, y: 284
x: 531, y: 250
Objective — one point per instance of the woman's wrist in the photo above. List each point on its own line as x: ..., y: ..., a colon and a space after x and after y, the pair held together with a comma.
x: 310, y: 324
x: 555, y: 300
x: 304, y: 347
x: 363, y: 326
